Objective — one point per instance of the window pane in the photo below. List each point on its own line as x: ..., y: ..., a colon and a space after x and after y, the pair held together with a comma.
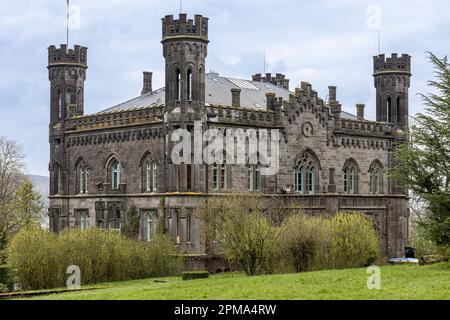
x: 222, y: 177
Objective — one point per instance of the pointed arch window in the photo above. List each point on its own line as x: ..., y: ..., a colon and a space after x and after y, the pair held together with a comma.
x: 389, y: 109
x: 178, y: 84
x: 189, y: 84
x: 399, y: 114
x: 350, y: 177
x: 151, y: 169
x: 115, y: 174
x: 376, y: 178
x: 83, y: 178
x: 59, y: 103
x: 305, y: 174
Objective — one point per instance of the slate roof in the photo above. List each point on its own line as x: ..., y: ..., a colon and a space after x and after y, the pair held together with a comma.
x: 218, y: 92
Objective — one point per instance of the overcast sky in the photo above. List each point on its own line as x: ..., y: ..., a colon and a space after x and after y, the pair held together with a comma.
x: 322, y: 42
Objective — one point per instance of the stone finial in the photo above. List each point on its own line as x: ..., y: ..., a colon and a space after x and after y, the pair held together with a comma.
x: 235, y: 98
x: 360, y: 111
x: 147, y: 86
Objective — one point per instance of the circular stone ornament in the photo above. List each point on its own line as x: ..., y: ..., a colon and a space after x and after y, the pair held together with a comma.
x: 307, y: 129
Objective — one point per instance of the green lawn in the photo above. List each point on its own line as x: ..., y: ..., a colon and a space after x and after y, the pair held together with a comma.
x: 398, y: 282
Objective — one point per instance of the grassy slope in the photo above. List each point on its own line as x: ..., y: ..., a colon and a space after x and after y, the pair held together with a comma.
x: 398, y: 282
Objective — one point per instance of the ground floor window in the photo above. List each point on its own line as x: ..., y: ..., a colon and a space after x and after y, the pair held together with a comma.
x: 115, y: 225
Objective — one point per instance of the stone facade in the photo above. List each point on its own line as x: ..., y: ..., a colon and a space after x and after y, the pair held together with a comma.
x: 102, y: 164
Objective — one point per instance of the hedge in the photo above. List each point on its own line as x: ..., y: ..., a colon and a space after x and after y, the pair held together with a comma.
x: 40, y: 259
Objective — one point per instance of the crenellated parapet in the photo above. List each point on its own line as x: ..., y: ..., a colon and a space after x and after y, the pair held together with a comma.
x: 63, y: 55
x: 141, y: 116
x: 364, y: 127
x: 184, y: 27
x: 241, y: 116
x: 393, y: 64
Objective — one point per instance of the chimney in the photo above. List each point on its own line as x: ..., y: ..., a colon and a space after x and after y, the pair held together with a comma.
x: 360, y: 111
x: 270, y: 100
x: 147, y: 82
x: 236, y: 97
x: 332, y: 94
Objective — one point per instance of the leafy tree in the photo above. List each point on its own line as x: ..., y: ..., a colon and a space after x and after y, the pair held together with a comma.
x: 423, y: 164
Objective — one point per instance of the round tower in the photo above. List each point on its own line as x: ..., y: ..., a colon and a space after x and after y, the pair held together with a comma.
x: 392, y: 80
x: 67, y: 74
x: 185, y: 47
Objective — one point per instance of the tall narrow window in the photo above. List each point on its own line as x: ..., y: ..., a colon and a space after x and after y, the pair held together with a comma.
x: 59, y: 103
x: 399, y: 114
x: 115, y: 171
x: 56, y: 177
x: 150, y: 174
x: 178, y: 84
x: 188, y: 227
x: 298, y: 185
x: 389, y: 109
x: 189, y: 177
x: 150, y: 226
x: 189, y: 85
x: 350, y: 177
x: 83, y: 174
x: 220, y: 177
x: 223, y: 177
x: 310, y: 180
x: 376, y: 178
x: 254, y: 178
x: 84, y: 220
x: 215, y: 177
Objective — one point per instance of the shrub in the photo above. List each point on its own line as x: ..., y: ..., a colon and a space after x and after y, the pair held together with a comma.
x: 302, y: 239
x: 6, y: 283
x: 193, y: 275
x: 40, y: 259
x: 354, y: 241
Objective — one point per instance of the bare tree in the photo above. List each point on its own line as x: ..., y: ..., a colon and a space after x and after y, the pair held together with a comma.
x: 11, y: 178
x: 247, y: 236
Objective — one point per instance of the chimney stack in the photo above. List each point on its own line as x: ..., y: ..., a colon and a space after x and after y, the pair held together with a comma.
x: 270, y: 100
x: 332, y: 94
x: 147, y: 82
x: 236, y: 97
x: 360, y: 111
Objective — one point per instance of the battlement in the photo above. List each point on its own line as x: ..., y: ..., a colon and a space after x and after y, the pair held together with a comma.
x: 78, y: 55
x: 197, y: 27
x: 395, y: 63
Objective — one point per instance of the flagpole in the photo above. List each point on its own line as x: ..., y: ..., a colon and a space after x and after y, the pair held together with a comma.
x: 67, y: 23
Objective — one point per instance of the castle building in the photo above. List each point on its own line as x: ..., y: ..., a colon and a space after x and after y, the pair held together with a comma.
x: 102, y: 164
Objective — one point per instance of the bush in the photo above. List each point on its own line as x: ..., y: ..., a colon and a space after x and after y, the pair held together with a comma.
x: 40, y: 259
x: 6, y: 283
x: 195, y: 275
x: 353, y: 241
x: 302, y: 239
x: 246, y: 235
